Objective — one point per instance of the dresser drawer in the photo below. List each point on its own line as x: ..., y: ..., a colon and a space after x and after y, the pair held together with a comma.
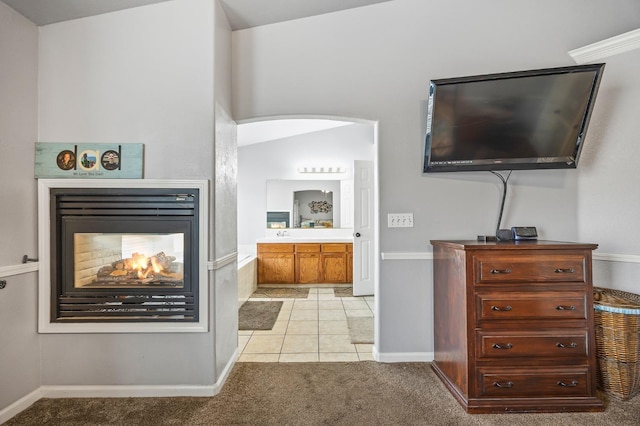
x: 533, y: 268
x: 557, y: 344
x: 534, y: 382
x: 524, y: 305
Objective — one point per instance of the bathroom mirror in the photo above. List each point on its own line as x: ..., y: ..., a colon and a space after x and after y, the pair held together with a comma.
x: 303, y: 204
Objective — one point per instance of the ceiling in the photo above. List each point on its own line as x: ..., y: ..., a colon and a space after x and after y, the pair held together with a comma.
x: 242, y: 14
x: 270, y: 130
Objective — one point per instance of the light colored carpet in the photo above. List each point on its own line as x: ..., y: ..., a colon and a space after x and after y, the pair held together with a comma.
x: 361, y: 329
x: 258, y: 315
x: 301, y: 394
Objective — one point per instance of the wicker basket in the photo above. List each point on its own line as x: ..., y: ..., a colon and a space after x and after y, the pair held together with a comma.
x: 617, y: 330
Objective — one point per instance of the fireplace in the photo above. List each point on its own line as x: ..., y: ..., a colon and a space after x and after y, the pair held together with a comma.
x: 124, y: 255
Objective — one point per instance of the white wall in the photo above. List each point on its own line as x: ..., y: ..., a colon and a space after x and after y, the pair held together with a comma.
x: 146, y: 75
x: 19, y: 342
x: 375, y: 63
x: 609, y: 199
x: 280, y: 159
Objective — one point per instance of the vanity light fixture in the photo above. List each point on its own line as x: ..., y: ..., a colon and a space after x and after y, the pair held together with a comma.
x: 322, y: 169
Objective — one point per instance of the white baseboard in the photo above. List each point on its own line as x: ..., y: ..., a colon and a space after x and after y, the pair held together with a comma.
x: 125, y: 391
x: 402, y: 356
x: 118, y: 391
x: 20, y: 405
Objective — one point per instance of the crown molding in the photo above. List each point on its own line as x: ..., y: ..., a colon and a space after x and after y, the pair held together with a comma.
x: 608, y: 47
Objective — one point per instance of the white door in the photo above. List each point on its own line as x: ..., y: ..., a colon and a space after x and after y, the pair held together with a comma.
x: 363, y: 229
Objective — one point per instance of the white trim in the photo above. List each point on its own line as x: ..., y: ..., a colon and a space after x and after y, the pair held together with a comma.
x: 126, y: 391
x: 391, y: 357
x: 118, y: 391
x: 44, y: 254
x: 406, y: 256
x: 23, y: 268
x: 611, y: 257
x: 608, y: 47
x: 20, y: 405
x: 224, y: 261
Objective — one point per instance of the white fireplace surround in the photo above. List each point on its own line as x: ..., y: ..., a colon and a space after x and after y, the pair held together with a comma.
x: 44, y: 278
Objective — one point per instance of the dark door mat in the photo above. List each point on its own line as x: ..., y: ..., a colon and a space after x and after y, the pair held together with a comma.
x: 258, y: 315
x: 343, y: 291
x: 281, y: 292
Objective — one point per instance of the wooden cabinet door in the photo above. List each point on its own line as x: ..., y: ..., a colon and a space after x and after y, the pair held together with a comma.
x: 276, y: 268
x: 334, y: 267
x: 308, y: 268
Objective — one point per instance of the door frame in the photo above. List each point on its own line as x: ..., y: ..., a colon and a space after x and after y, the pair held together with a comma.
x: 376, y: 195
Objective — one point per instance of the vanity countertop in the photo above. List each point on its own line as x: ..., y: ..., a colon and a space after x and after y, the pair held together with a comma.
x: 304, y: 240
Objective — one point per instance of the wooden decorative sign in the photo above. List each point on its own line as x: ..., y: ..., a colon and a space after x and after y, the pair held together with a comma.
x: 89, y: 160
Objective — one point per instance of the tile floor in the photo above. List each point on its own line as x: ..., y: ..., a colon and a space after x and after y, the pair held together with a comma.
x: 309, y: 330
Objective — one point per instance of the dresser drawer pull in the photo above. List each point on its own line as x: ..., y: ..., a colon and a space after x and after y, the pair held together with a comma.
x: 501, y: 271
x: 503, y: 385
x: 501, y: 346
x: 565, y: 308
x: 565, y: 271
x: 571, y: 345
x: 498, y: 308
x: 573, y: 384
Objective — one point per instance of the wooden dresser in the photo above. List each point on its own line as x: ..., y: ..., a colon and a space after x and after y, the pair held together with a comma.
x: 514, y: 325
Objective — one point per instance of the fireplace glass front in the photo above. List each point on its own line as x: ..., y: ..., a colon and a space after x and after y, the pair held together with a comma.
x: 104, y: 260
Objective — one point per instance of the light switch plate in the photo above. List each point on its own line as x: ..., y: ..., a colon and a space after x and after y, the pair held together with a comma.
x: 400, y: 220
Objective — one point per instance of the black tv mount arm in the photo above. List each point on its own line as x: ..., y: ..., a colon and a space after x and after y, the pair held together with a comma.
x: 505, y: 181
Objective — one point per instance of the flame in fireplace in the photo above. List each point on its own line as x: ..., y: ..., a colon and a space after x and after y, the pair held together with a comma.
x: 144, y: 265
x: 144, y: 268
x: 140, y: 264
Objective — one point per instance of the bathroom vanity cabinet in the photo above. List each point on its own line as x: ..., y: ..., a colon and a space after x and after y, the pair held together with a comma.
x: 276, y: 263
x: 305, y: 263
x: 514, y: 326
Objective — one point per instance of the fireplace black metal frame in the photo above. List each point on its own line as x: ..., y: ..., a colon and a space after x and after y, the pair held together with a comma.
x: 122, y: 210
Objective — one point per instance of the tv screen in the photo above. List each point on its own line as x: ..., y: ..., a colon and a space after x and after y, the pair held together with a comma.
x: 510, y: 121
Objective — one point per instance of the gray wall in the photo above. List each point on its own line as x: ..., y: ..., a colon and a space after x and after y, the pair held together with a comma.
x: 123, y: 77
x: 148, y: 76
x: 19, y: 342
x: 224, y: 206
x: 119, y: 77
x: 609, y: 199
x: 375, y: 64
x: 18, y: 131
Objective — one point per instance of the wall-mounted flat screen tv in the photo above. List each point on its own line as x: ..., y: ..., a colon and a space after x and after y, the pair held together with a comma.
x: 522, y: 120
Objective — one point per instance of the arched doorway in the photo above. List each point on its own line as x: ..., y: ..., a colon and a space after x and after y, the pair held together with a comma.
x: 279, y: 148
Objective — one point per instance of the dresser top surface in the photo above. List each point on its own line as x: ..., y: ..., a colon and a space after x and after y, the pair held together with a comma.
x: 514, y: 245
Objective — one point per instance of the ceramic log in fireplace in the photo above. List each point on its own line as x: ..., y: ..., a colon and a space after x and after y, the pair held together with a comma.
x: 124, y: 255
